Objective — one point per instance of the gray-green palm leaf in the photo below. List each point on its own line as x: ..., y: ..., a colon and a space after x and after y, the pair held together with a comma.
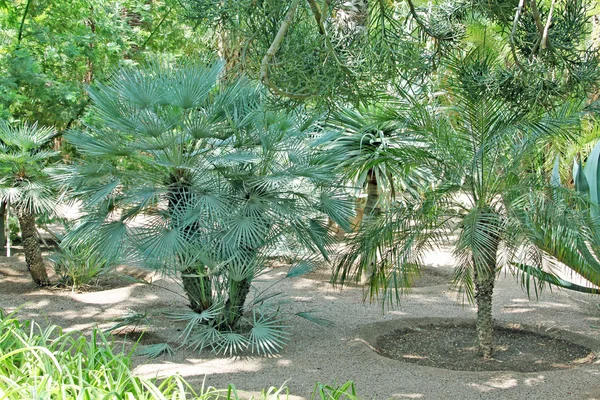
x: 376, y: 150
x: 479, y: 204
x: 191, y: 176
x: 25, y: 184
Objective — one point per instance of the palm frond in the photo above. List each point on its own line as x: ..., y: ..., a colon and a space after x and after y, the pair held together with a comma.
x: 156, y: 350
x: 268, y: 334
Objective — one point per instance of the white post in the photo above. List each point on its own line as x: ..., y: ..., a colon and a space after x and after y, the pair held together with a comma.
x: 7, y: 230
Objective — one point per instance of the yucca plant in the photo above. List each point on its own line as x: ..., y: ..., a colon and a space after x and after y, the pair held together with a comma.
x: 485, y: 201
x: 190, y: 176
x: 25, y: 185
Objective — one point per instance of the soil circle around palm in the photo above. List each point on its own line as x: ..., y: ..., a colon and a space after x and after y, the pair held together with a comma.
x: 452, y: 344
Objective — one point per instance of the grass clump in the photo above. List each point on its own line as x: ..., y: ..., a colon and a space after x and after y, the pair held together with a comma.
x: 47, y: 363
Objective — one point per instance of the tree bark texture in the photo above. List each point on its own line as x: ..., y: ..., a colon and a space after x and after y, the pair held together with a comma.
x: 372, y: 208
x: 197, y: 289
x: 31, y: 247
x: 485, y: 277
x: 234, y: 307
x: 196, y: 283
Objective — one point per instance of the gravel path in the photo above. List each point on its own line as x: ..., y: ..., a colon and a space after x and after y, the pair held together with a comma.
x: 334, y: 354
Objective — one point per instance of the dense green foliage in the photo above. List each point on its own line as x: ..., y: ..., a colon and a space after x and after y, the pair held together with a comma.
x: 448, y: 114
x: 194, y: 178
x: 49, y: 51
x: 47, y: 363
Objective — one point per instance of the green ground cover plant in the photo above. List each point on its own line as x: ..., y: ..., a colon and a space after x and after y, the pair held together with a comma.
x: 47, y: 363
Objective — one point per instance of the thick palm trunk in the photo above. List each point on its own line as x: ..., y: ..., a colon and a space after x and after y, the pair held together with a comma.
x: 372, y: 208
x: 31, y: 247
x: 197, y: 289
x: 485, y: 277
x: 234, y: 307
x: 196, y: 283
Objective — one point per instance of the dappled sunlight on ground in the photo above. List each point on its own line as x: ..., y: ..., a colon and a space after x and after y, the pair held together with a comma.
x: 408, y: 396
x: 113, y: 296
x: 196, y: 367
x: 329, y: 354
x: 500, y: 382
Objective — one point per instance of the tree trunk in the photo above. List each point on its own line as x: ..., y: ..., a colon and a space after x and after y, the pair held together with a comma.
x: 197, y: 289
x: 196, y: 283
x: 485, y: 277
x: 372, y: 208
x: 3, y: 225
x: 234, y: 307
x: 31, y: 247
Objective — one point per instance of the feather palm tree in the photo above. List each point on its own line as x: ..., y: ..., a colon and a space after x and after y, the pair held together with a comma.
x: 25, y: 186
x: 189, y: 176
x: 485, y: 202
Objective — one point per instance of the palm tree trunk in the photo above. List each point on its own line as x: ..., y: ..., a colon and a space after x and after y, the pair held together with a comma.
x: 196, y: 283
x: 372, y: 208
x: 234, y: 308
x: 485, y: 277
x: 197, y: 289
x: 31, y: 247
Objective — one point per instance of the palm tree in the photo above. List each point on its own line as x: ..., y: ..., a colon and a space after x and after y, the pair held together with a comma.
x: 188, y: 175
x: 375, y: 151
x: 482, y: 202
x: 25, y: 186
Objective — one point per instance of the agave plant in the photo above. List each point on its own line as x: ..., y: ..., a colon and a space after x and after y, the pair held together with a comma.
x: 586, y: 178
x: 484, y: 203
x: 189, y: 176
x: 25, y: 186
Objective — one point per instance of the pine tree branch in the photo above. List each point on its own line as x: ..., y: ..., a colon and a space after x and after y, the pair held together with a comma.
x: 149, y: 38
x: 275, y: 45
x: 314, y: 7
x: 514, y: 32
x: 419, y: 22
x: 20, y: 36
x: 544, y: 42
x: 536, y: 17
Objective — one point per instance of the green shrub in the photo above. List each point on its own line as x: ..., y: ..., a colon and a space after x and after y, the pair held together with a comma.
x: 78, y: 264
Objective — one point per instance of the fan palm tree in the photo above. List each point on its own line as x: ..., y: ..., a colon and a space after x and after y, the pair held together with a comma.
x: 187, y: 175
x: 485, y: 202
x: 25, y: 186
x: 374, y: 151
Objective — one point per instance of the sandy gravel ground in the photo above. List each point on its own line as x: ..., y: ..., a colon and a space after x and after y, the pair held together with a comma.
x: 334, y: 354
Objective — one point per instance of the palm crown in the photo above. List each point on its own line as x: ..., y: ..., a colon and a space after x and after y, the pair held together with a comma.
x: 187, y: 175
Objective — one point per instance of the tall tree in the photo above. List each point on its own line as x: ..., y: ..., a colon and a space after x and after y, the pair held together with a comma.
x: 483, y: 192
